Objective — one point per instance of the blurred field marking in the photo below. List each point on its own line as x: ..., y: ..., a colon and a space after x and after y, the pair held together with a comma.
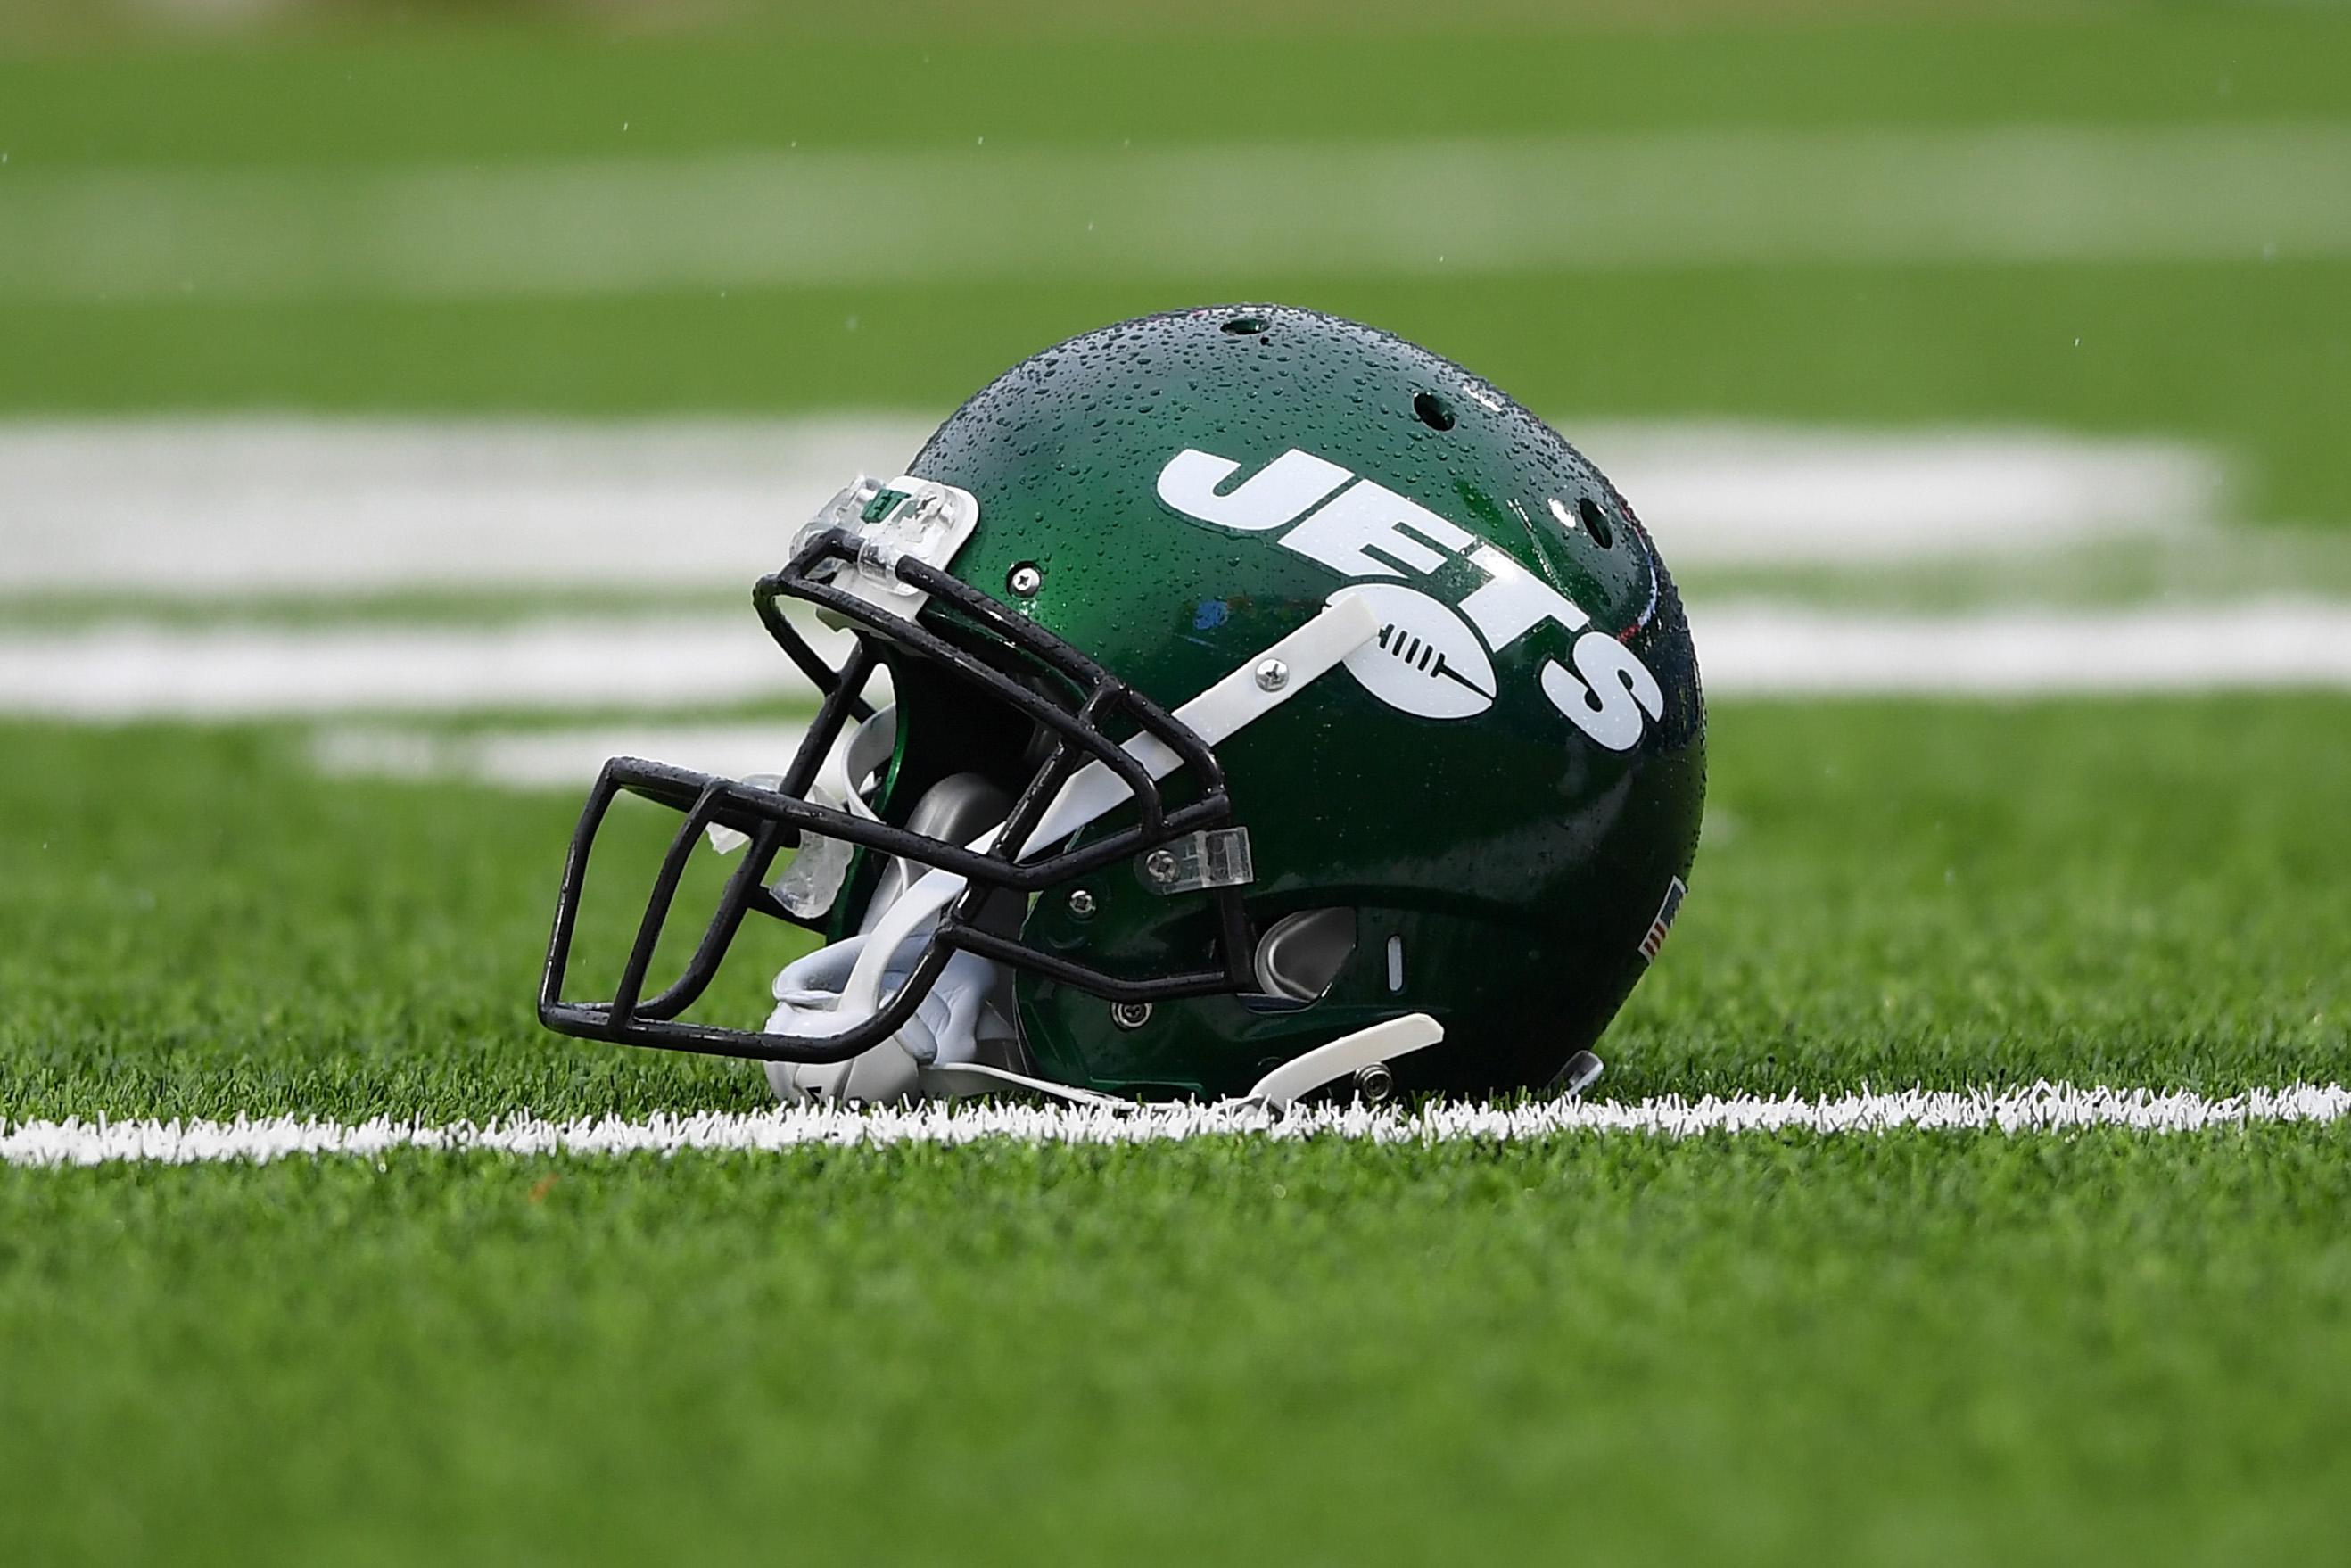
x: 264, y: 504
x: 552, y: 758
x: 120, y: 672
x: 244, y: 505
x: 1765, y: 650
x: 791, y: 218
x: 123, y: 671
x: 2045, y: 1108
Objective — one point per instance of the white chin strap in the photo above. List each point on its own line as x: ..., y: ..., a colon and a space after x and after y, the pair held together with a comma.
x: 944, y: 1032
x: 937, y: 1053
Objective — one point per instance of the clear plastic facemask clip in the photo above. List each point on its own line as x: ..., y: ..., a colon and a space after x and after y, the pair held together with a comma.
x: 905, y: 519
x: 812, y: 881
x: 1213, y: 857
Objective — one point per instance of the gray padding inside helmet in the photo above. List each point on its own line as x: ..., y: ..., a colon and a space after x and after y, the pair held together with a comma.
x: 957, y: 809
x: 1300, y: 955
x: 871, y: 745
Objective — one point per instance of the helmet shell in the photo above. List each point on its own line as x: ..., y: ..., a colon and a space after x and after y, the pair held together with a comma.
x: 1504, y: 865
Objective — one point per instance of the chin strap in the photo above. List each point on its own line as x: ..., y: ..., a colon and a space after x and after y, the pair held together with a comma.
x: 890, y: 1071
x: 971, y: 1080
x: 1301, y: 1075
x: 1379, y: 1044
x: 944, y: 1032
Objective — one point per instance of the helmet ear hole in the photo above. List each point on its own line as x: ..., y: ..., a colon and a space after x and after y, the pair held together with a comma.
x: 1596, y: 522
x: 1300, y: 954
x: 1431, y: 410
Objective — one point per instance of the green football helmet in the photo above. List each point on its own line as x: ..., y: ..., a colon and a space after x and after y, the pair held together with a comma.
x: 1271, y: 705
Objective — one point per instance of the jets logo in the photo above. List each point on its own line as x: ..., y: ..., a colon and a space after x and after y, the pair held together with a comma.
x: 1425, y: 660
x: 1430, y: 658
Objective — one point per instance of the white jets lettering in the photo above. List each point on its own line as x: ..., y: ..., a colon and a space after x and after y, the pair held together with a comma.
x: 1274, y: 494
x: 1427, y: 662
x: 1508, y: 605
x: 1370, y: 517
x: 1609, y: 709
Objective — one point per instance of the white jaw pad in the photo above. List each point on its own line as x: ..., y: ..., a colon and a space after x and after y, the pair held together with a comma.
x: 1382, y: 1042
x: 1238, y: 700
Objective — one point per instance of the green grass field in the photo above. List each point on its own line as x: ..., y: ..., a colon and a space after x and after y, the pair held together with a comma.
x: 1913, y: 1346
x: 2253, y: 356
x: 1898, y: 1349
x: 1906, y: 1347
x: 1889, y: 893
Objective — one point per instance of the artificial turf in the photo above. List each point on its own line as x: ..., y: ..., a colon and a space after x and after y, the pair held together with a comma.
x: 2251, y: 358
x: 1900, y: 1348
x: 1907, y: 1348
x: 1949, y: 894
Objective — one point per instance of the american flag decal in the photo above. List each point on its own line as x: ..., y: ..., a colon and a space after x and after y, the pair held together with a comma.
x: 1664, y: 922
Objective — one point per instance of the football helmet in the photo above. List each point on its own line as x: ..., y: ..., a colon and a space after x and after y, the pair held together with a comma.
x: 1270, y: 704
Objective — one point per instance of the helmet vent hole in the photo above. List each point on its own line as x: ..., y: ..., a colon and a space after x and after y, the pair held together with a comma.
x: 1432, y: 411
x: 1595, y: 523
x: 1245, y: 326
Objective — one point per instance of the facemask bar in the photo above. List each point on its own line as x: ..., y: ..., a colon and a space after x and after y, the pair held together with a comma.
x: 773, y: 820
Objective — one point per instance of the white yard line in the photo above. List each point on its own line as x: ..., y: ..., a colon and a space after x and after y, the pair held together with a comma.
x: 1433, y: 207
x: 1756, y: 649
x: 113, y: 673
x: 225, y: 505
x: 1757, y: 495
x: 552, y: 758
x: 2043, y: 1108
x: 121, y: 671
x: 242, y: 506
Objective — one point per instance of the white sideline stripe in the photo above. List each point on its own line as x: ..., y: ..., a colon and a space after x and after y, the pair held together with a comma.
x: 214, y: 505
x: 1754, y: 649
x: 110, y: 673
x: 1404, y: 208
x: 2042, y: 1108
x: 553, y: 758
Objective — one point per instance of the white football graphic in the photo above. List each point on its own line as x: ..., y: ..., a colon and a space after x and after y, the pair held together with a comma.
x: 1425, y: 660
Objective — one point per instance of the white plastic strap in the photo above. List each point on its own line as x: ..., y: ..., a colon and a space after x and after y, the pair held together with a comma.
x: 1240, y: 699
x: 965, y: 1080
x: 1382, y: 1042
x: 1216, y: 715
